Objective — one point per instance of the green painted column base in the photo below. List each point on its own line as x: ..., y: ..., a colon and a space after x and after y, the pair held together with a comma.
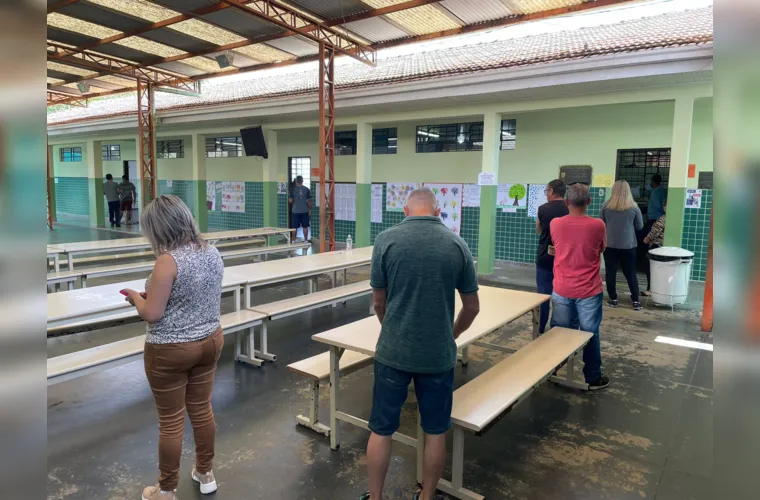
x: 270, y: 209
x: 363, y: 215
x: 675, y: 215
x: 487, y: 230
x: 97, y: 203
x: 200, y: 209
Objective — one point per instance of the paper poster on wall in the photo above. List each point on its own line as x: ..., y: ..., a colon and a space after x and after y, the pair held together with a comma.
x: 282, y: 188
x: 471, y: 195
x: 449, y: 198
x: 536, y: 198
x: 693, y: 198
x: 512, y: 196
x: 603, y: 181
x: 233, y: 197
x: 486, y: 179
x: 168, y: 183
x: 211, y: 195
x: 345, y: 202
x: 377, y: 203
x: 396, y: 195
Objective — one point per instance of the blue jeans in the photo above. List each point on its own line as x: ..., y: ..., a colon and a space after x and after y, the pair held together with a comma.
x: 585, y: 314
x: 434, y: 391
x: 544, y: 284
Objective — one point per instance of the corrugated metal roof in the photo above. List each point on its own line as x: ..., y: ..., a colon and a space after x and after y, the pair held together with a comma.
x: 673, y: 29
x: 330, y: 9
x: 295, y: 45
x: 376, y: 30
x: 477, y: 11
x: 418, y: 21
x: 531, y: 6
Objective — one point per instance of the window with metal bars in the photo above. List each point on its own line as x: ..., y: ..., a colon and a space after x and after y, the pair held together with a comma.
x: 637, y: 166
x: 450, y: 137
x: 170, y: 149
x: 224, y: 147
x: 71, y: 154
x: 111, y: 152
x: 345, y: 143
x: 508, y: 134
x: 384, y: 141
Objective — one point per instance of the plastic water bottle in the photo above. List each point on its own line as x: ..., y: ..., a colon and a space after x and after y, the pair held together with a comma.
x: 349, y: 243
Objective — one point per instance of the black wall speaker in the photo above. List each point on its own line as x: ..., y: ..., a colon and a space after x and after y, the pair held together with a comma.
x: 253, y: 142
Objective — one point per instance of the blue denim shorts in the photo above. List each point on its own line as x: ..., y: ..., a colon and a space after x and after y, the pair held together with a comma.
x: 435, y: 392
x: 299, y: 220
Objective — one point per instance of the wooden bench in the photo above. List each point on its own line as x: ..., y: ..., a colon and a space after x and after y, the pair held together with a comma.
x: 317, y: 370
x: 483, y: 401
x: 296, y: 305
x: 70, y: 277
x: 80, y: 363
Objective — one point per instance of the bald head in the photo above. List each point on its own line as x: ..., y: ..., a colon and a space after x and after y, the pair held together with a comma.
x: 421, y: 202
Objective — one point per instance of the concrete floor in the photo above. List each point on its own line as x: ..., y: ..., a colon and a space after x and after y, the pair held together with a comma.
x: 648, y: 436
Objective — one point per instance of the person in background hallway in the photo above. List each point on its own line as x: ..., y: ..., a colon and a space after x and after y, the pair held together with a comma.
x: 555, y: 207
x: 623, y: 218
x: 111, y: 192
x: 657, y: 197
x: 579, y: 241
x: 300, y: 200
x: 655, y: 239
x: 416, y: 268
x: 184, y: 339
x: 127, y: 196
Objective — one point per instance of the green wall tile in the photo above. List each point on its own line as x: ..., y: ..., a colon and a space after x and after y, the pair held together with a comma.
x: 72, y: 195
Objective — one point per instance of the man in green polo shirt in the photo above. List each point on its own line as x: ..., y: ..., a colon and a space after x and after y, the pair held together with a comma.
x: 417, y: 267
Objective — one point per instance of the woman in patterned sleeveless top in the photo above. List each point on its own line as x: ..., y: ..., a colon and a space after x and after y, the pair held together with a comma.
x: 183, y: 341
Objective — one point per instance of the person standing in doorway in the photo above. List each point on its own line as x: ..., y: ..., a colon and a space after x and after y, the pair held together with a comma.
x: 579, y: 241
x: 300, y: 201
x: 657, y: 197
x: 127, y: 196
x: 183, y: 341
x: 417, y: 267
x: 623, y: 218
x: 111, y: 192
x: 655, y: 239
x: 553, y: 208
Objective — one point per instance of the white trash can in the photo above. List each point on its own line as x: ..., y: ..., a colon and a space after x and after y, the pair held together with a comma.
x: 670, y: 270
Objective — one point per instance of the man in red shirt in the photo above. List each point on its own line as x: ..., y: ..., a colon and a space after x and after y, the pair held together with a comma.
x: 579, y: 241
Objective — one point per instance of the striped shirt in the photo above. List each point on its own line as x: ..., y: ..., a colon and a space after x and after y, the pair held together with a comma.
x: 657, y: 233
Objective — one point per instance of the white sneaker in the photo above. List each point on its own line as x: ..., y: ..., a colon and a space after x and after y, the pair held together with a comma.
x: 206, y: 481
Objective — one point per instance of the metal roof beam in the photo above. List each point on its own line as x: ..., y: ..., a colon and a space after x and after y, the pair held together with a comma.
x: 54, y: 7
x: 296, y: 22
x: 110, y: 65
x: 58, y: 97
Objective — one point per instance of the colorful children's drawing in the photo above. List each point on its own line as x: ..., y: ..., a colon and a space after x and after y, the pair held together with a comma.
x: 449, y: 198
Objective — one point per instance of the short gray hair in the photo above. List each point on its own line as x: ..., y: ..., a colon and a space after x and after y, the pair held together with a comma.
x: 423, y: 196
x: 578, y: 194
x: 168, y: 224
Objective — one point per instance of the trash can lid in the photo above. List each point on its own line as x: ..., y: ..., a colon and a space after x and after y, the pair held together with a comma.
x: 673, y: 252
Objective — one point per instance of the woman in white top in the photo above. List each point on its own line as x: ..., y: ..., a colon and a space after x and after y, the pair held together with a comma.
x: 184, y: 339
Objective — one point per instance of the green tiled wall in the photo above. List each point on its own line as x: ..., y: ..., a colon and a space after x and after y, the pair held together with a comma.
x: 254, y: 211
x: 696, y: 232
x: 282, y: 210
x: 182, y: 189
x: 470, y: 226
x: 72, y: 196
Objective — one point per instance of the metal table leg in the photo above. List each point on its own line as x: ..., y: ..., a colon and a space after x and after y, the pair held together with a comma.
x: 536, y: 314
x: 335, y: 354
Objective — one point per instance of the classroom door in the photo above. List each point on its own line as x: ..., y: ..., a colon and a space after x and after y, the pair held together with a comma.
x: 299, y: 165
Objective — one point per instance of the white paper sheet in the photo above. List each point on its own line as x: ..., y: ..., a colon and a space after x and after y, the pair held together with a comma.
x: 377, y: 203
x: 471, y: 195
x: 449, y: 198
x: 233, y: 197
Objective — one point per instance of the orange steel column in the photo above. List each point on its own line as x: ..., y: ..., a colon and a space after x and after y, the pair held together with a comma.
x: 327, y: 147
x: 146, y: 111
x: 707, y: 306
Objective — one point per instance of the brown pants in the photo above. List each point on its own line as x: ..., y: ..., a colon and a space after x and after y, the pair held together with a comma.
x: 180, y: 376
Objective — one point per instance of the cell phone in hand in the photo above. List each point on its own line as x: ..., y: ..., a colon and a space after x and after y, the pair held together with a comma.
x: 144, y: 295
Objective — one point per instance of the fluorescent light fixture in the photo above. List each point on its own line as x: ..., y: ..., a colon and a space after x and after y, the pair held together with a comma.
x: 684, y: 343
x: 83, y: 87
x: 427, y: 134
x: 460, y: 138
x: 225, y: 59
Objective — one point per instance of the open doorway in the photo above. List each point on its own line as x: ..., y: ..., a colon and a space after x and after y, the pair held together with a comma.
x: 299, y: 165
x: 637, y: 166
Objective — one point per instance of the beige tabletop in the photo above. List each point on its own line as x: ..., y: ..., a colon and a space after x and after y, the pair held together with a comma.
x: 275, y: 271
x: 97, y: 300
x: 52, y: 250
x: 498, y: 307
x: 123, y: 243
